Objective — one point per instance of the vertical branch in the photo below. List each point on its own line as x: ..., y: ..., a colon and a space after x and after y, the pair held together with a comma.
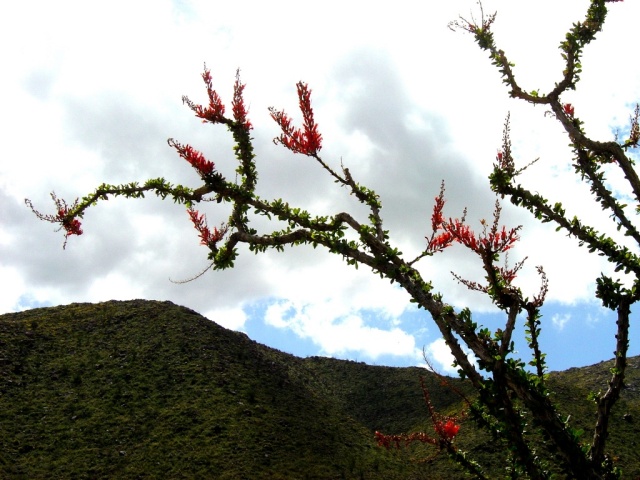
x: 508, y: 331
x: 514, y: 425
x: 533, y: 322
x: 606, y: 401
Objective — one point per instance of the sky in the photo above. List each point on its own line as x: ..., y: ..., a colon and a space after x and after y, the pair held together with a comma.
x: 91, y: 91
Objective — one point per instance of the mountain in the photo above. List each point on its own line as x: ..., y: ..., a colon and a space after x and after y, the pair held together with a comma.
x: 146, y: 389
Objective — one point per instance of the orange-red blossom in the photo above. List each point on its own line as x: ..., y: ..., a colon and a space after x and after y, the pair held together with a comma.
x: 71, y: 226
x: 306, y: 140
x: 495, y: 240
x: 207, y: 236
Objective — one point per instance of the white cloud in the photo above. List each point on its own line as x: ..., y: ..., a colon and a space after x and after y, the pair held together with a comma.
x: 340, y: 331
x: 400, y: 99
x: 113, y: 286
x: 13, y: 289
x: 559, y: 320
x: 440, y: 357
x: 231, y: 318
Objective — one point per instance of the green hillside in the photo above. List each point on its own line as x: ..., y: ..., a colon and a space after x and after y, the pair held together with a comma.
x: 144, y: 389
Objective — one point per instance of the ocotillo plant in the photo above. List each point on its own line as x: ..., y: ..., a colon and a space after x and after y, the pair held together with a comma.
x: 510, y: 390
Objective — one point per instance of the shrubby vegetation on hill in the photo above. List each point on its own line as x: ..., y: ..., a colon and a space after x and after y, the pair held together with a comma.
x: 144, y: 389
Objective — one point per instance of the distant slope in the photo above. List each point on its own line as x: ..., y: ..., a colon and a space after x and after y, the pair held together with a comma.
x: 144, y: 389
x: 571, y: 389
x: 150, y: 390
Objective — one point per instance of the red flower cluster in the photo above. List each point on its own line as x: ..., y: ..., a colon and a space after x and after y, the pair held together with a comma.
x: 70, y: 225
x: 214, y: 112
x: 447, y: 430
x: 194, y: 157
x: 495, y: 240
x: 68, y: 222
x: 308, y: 140
x: 440, y: 242
x: 207, y: 237
x: 568, y: 109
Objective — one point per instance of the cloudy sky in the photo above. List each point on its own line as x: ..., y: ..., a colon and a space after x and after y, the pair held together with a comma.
x: 90, y: 92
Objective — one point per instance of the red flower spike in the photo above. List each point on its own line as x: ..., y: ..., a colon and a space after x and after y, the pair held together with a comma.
x: 442, y: 241
x: 238, y: 106
x: 508, y: 275
x: 214, y: 113
x: 313, y: 139
x: 307, y: 140
x: 216, y: 108
x: 568, y: 109
x: 437, y: 218
x: 207, y: 237
x: 196, y: 159
x: 439, y: 242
